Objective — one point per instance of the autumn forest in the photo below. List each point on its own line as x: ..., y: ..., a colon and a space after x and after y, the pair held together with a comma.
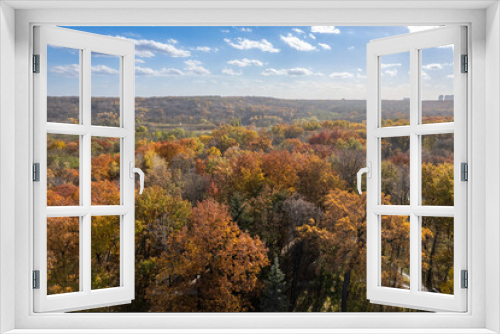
x: 250, y: 204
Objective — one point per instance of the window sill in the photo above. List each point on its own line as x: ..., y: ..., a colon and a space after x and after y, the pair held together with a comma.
x: 250, y: 331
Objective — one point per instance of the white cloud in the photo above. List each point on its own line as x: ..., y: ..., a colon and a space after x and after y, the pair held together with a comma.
x: 145, y: 71
x: 72, y: 70
x: 226, y: 31
x: 350, y: 48
x: 359, y: 69
x: 325, y: 46
x: 420, y: 28
x: 391, y: 73
x: 146, y: 48
x: 325, y: 29
x: 230, y: 71
x: 205, y: 49
x: 432, y: 67
x: 342, y: 75
x: 171, y: 71
x: 144, y: 53
x: 425, y: 76
x: 312, y: 36
x: 360, y: 76
x: 290, y: 71
x: 298, y: 31
x: 384, y: 66
x: 297, y: 43
x: 247, y: 44
x: 246, y: 29
x: 138, y: 60
x: 194, y: 68
x: 451, y: 76
x: 172, y: 41
x: 245, y: 62
x: 103, y: 70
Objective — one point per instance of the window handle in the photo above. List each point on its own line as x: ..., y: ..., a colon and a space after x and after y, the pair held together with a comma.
x: 134, y: 170
x: 368, y: 171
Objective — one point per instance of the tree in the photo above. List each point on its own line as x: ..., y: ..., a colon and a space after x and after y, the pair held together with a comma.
x: 340, y: 240
x: 273, y: 297
x: 212, y: 266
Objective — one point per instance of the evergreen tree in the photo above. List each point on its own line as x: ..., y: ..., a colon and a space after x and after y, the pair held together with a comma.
x: 273, y: 297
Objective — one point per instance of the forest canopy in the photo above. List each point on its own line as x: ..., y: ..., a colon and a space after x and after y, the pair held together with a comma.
x: 250, y: 204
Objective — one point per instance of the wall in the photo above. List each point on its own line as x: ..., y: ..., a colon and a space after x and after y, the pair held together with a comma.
x: 7, y: 160
x: 492, y: 162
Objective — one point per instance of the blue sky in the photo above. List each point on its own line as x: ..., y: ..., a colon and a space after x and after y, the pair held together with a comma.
x: 327, y: 62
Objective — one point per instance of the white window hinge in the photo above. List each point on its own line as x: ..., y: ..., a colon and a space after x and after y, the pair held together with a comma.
x: 465, y: 64
x: 464, y: 171
x: 36, y: 172
x: 36, y: 279
x: 36, y: 63
x: 464, y: 279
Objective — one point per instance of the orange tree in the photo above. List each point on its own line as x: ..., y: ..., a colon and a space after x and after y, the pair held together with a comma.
x: 212, y: 266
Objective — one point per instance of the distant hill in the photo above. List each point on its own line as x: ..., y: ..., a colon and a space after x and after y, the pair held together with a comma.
x: 211, y: 111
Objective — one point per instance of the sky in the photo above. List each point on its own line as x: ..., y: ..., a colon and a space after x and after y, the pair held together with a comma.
x: 292, y: 62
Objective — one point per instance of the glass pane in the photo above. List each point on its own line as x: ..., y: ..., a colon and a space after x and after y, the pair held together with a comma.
x: 105, y: 89
x: 63, y: 255
x: 437, y: 84
x: 395, y: 262
x: 395, y: 89
x: 105, y: 252
x: 63, y: 85
x: 395, y: 171
x: 437, y: 254
x: 105, y: 171
x: 437, y: 170
x: 63, y: 170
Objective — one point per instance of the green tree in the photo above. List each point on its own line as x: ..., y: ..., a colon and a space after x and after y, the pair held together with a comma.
x: 273, y: 297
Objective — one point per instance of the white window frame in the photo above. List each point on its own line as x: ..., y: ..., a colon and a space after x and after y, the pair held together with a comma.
x: 483, y: 313
x: 85, y: 43
x: 412, y: 44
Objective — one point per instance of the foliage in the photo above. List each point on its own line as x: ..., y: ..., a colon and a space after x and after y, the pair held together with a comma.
x: 273, y: 297
x: 233, y: 183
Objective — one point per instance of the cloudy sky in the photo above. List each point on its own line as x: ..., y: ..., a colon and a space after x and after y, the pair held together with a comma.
x: 318, y: 62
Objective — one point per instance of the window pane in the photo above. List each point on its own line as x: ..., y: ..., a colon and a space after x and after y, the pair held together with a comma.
x: 395, y: 89
x: 105, y: 171
x: 437, y: 170
x: 63, y: 85
x: 437, y: 254
x: 395, y: 231
x: 105, y: 252
x: 105, y: 89
x: 395, y: 169
x: 63, y: 170
x: 437, y: 84
x: 63, y: 255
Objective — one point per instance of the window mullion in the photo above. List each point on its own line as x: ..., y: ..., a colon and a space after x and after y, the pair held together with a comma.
x: 86, y: 165
x: 414, y: 168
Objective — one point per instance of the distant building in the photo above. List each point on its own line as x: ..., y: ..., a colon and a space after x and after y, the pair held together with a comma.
x: 406, y: 99
x: 440, y: 97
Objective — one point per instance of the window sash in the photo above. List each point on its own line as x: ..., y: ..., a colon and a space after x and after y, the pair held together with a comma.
x: 85, y: 298
x: 414, y: 298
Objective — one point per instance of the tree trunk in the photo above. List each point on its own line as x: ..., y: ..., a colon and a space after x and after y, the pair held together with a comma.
x: 428, y: 282
x: 345, y: 290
